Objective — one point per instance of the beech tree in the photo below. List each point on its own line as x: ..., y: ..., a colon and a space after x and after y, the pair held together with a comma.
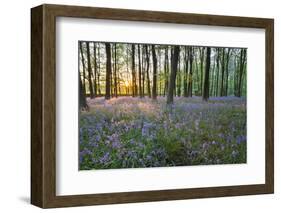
x: 190, y: 74
x: 134, y: 79
x: 140, y: 82
x: 147, y: 70
x: 154, y: 85
x: 174, y: 66
x: 139, y: 70
x: 83, y: 65
x: 90, y: 73
x: 207, y: 72
x: 108, y: 70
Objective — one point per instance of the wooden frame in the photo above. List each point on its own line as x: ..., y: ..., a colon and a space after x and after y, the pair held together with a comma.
x: 43, y: 106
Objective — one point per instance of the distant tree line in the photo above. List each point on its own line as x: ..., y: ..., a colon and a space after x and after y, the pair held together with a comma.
x: 139, y: 70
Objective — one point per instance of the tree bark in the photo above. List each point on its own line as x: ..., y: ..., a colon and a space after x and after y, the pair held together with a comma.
x: 134, y: 83
x: 147, y: 71
x: 218, y: 72
x: 226, y: 72
x: 83, y: 65
x: 201, y: 50
x: 115, y: 71
x: 222, y: 72
x: 108, y: 71
x: 241, y: 69
x: 206, y: 79
x: 166, y: 71
x: 140, y: 82
x: 213, y: 80
x: 143, y: 71
x: 95, y: 70
x: 154, y: 85
x: 82, y: 99
x: 174, y: 64
x: 185, y: 80
x: 90, y: 73
x: 98, y: 77
x: 179, y: 77
x: 190, y: 75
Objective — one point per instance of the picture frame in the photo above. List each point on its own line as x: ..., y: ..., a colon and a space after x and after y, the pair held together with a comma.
x: 43, y: 105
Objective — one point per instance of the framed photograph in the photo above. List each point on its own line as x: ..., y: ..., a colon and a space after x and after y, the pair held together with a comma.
x: 136, y: 106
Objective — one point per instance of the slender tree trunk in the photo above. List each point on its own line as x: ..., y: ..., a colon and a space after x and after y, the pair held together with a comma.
x: 212, y: 92
x: 115, y: 71
x: 134, y: 80
x: 179, y: 77
x: 108, y: 70
x: 90, y: 73
x: 128, y: 72
x: 159, y: 71
x: 218, y: 72
x: 147, y: 71
x: 197, y: 75
x: 99, y: 85
x: 241, y: 69
x: 166, y: 71
x: 222, y: 72
x: 143, y: 71
x: 112, y: 71
x: 82, y: 99
x: 226, y: 72
x: 140, y: 82
x: 190, y: 75
x: 206, y: 79
x: 185, y: 84
x: 201, y: 67
x: 95, y: 69
x: 154, y: 85
x: 83, y: 65
x: 173, y: 74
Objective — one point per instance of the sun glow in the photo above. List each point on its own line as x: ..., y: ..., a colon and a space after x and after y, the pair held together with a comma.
x: 126, y: 84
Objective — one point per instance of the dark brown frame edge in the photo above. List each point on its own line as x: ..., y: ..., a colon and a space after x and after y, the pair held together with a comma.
x: 43, y: 105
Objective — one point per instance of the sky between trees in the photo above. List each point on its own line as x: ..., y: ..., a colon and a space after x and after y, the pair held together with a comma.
x: 148, y: 70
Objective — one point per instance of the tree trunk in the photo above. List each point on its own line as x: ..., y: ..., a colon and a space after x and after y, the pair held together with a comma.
x: 179, y: 77
x: 147, y: 71
x: 140, y: 82
x: 218, y: 72
x: 166, y: 71
x: 241, y: 69
x: 98, y: 77
x: 190, y: 75
x: 226, y: 73
x: 173, y: 74
x: 206, y: 79
x: 222, y: 72
x: 134, y: 80
x: 95, y: 70
x: 115, y: 71
x: 154, y: 85
x: 90, y: 73
x: 83, y: 65
x: 108, y: 70
x: 82, y: 99
x: 185, y: 80
x: 143, y: 70
x: 197, y: 75
x: 201, y: 68
x: 159, y: 71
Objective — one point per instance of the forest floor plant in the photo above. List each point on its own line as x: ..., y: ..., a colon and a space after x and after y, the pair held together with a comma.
x: 128, y: 132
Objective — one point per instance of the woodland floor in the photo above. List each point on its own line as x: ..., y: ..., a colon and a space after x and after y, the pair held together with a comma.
x: 128, y: 132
